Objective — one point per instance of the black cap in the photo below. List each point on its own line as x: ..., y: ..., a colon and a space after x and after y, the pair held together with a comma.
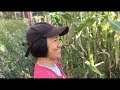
x: 43, y: 29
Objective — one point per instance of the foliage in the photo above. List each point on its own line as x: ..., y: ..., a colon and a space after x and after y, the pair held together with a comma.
x: 13, y: 64
x: 90, y: 49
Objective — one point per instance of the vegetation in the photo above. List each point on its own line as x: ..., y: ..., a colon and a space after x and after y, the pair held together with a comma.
x: 12, y: 61
x: 91, y: 49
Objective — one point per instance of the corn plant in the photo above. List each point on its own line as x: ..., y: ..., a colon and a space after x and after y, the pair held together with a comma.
x: 116, y: 26
x: 89, y: 44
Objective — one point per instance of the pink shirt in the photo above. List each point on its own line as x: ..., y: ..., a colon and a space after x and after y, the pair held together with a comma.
x: 44, y: 72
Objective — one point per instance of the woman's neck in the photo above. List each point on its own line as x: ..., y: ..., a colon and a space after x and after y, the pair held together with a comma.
x: 45, y: 61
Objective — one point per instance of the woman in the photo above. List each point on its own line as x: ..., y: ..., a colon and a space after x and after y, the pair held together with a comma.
x: 43, y: 43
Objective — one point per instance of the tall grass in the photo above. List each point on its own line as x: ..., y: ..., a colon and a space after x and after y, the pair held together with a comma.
x: 13, y: 64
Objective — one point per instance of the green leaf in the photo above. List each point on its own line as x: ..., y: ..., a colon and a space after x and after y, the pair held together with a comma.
x: 71, y: 32
x: 115, y: 25
x: 67, y: 16
x: 97, y: 71
x: 73, y: 46
x: 99, y: 63
x: 94, y: 68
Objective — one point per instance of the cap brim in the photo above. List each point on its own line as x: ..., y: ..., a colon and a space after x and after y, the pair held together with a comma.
x: 57, y: 31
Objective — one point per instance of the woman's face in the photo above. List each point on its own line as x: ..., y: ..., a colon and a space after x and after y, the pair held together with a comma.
x: 54, y: 47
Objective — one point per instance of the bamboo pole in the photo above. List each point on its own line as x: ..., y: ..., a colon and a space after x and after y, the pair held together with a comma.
x: 29, y: 14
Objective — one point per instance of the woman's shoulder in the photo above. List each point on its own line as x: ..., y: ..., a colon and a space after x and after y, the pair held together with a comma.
x: 42, y: 72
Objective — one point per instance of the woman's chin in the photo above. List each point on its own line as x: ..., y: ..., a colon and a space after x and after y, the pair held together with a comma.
x: 59, y: 57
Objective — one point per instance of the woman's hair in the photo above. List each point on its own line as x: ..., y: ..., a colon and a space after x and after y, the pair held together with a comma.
x: 39, y: 48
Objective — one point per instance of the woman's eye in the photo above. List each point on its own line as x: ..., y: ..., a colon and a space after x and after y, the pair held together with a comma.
x: 59, y: 38
x: 55, y: 39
